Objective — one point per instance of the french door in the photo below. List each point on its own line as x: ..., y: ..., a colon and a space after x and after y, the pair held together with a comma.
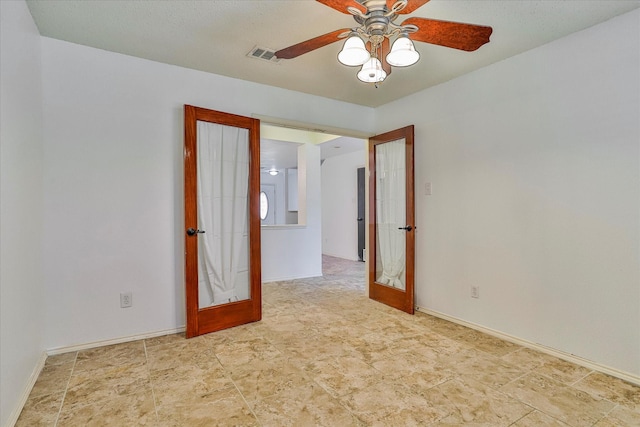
x: 222, y: 220
x: 391, y: 245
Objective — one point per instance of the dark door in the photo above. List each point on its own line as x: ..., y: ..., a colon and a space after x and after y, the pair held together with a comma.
x: 361, y: 204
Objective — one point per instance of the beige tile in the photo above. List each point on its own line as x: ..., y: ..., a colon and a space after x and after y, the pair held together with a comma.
x: 443, y: 327
x: 40, y: 410
x: 175, y: 384
x: 188, y: 352
x: 52, y: 379
x: 109, y: 356
x: 246, y: 351
x: 487, y: 343
x: 563, y: 371
x: 404, y: 364
x: 372, y: 347
x: 621, y: 416
x: 136, y: 409
x: 286, y: 338
x: 393, y: 404
x: 61, y: 359
x: 237, y: 333
x: 165, y: 339
x: 442, y: 346
x: 554, y: 398
x: 427, y: 378
x: 538, y: 419
x: 223, y: 408
x: 318, y: 349
x: 284, y: 323
x: 490, y: 370
x: 339, y: 376
x: 527, y: 359
x: 263, y: 378
x: 87, y: 387
x: 306, y: 405
x: 610, y: 388
x: 478, y: 404
x: 419, y: 339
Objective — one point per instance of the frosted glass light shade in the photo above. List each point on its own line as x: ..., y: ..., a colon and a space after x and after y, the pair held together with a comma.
x: 403, y: 53
x: 353, y: 52
x: 372, y: 72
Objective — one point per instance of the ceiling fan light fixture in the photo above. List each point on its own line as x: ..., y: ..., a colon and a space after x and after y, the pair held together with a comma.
x: 403, y: 53
x: 354, y: 52
x: 372, y: 72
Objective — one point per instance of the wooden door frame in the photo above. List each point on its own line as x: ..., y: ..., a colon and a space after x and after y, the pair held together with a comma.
x: 402, y: 300
x: 210, y: 319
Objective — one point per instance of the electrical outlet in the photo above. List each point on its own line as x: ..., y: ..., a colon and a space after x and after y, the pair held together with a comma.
x: 475, y: 291
x: 126, y: 299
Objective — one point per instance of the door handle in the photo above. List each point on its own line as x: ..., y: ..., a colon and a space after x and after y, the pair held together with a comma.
x: 408, y: 228
x: 193, y: 231
x: 360, y: 219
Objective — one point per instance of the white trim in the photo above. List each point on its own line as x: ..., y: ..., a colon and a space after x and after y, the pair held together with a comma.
x: 282, y: 279
x: 340, y: 256
x: 311, y: 127
x: 78, y: 347
x: 626, y: 376
x: 282, y: 226
x: 15, y: 414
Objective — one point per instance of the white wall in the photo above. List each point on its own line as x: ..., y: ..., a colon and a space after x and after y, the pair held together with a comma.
x: 340, y: 204
x: 536, y: 189
x: 113, y: 136
x: 21, y: 286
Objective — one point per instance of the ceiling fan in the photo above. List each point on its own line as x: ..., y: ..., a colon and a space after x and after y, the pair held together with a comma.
x: 367, y: 43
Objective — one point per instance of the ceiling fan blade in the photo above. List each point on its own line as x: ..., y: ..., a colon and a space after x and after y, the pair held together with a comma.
x: 341, y: 5
x: 411, y: 6
x: 309, y: 45
x: 456, y: 35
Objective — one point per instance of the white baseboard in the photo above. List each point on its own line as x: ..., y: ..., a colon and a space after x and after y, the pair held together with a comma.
x: 78, y: 347
x: 284, y: 278
x: 626, y: 376
x: 341, y: 256
x: 13, y: 417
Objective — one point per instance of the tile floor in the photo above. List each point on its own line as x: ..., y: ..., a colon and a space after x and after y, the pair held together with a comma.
x: 326, y: 355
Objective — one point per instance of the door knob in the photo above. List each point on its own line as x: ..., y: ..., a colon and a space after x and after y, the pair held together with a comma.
x: 360, y: 219
x: 408, y: 228
x: 193, y: 231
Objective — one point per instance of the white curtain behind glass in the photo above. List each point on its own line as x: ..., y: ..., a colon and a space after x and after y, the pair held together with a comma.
x: 390, y: 213
x: 223, y: 183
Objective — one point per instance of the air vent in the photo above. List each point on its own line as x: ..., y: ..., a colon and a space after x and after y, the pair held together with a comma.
x: 264, y: 54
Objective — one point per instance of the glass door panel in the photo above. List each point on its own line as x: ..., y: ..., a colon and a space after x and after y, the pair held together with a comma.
x: 223, y: 184
x: 390, y: 214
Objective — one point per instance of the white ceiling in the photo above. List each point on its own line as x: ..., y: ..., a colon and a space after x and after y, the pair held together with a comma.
x: 215, y: 36
x: 279, y: 146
